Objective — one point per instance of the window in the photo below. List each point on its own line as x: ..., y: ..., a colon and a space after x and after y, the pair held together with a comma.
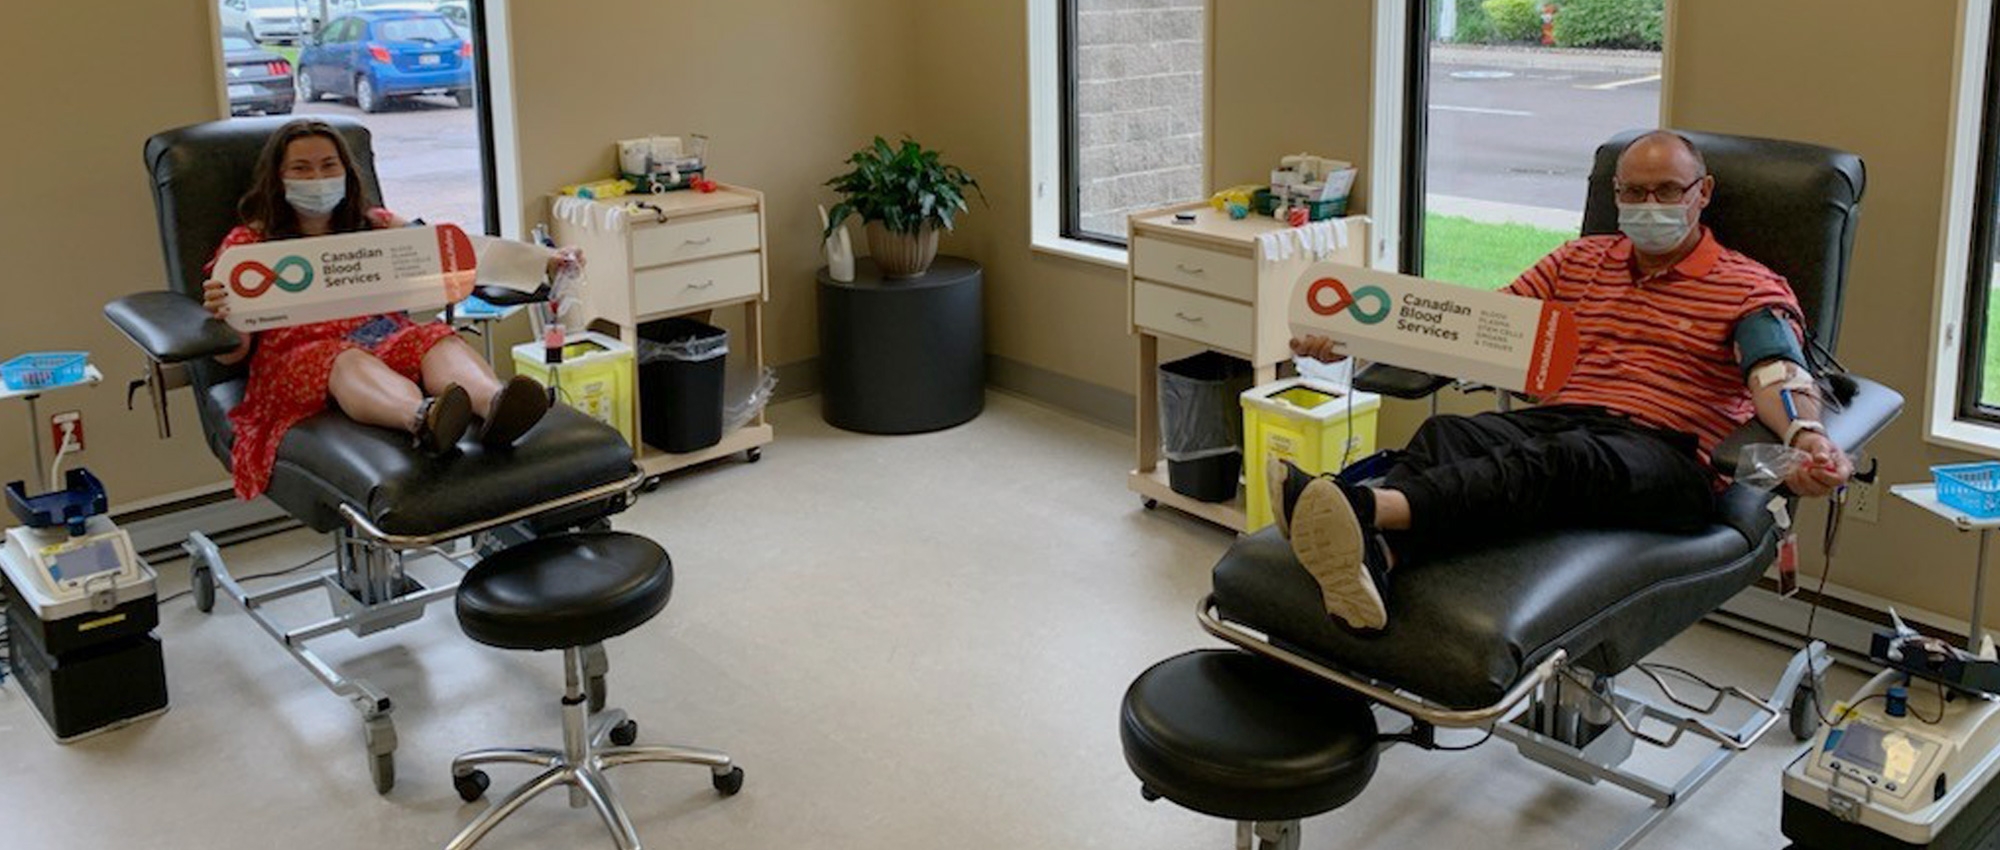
x: 1964, y: 403
x: 1506, y: 104
x: 1118, y: 125
x: 410, y: 73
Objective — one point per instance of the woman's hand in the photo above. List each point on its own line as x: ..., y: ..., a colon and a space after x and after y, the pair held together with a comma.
x: 215, y: 299
x: 566, y: 258
x: 1316, y: 347
x: 1824, y: 470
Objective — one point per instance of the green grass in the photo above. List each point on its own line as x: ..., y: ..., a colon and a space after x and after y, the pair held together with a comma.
x: 1989, y: 385
x: 1478, y: 254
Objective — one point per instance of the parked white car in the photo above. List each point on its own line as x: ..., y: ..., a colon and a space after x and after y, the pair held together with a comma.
x: 266, y: 21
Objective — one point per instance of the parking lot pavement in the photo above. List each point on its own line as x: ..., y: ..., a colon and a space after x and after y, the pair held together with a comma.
x: 1524, y: 135
x: 426, y: 156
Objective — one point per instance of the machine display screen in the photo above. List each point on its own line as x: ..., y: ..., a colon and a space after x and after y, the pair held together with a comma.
x: 88, y: 560
x: 1861, y: 746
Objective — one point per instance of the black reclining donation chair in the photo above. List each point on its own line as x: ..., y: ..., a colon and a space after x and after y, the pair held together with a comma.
x: 380, y: 499
x: 1523, y: 638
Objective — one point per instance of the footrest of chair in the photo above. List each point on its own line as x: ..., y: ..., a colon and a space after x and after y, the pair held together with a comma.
x: 1232, y: 735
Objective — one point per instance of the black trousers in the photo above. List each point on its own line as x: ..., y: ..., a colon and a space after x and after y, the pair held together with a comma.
x: 1473, y: 479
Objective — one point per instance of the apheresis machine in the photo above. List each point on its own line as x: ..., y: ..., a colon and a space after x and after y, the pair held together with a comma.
x: 81, y: 608
x: 1909, y: 761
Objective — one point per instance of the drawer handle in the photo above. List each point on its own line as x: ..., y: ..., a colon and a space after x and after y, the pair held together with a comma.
x: 1187, y: 318
x: 702, y: 241
x: 703, y: 285
x: 1187, y: 269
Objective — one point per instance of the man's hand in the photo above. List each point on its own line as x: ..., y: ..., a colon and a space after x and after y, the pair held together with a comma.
x: 1316, y: 347
x: 1825, y: 469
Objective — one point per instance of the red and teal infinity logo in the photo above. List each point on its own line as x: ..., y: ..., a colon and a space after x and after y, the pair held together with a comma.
x: 1317, y: 298
x: 268, y: 276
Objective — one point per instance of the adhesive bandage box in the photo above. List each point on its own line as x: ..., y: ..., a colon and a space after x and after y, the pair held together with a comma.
x: 323, y: 278
x: 1319, y: 426
x: 1505, y: 341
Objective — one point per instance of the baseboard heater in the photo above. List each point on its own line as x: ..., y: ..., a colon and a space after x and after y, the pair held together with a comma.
x: 158, y: 528
x: 1847, y: 619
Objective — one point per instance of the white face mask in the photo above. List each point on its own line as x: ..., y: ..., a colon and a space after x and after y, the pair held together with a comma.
x: 316, y: 197
x: 1654, y: 228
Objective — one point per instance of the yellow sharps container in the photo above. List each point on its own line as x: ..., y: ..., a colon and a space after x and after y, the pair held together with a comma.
x: 597, y: 376
x: 1316, y: 425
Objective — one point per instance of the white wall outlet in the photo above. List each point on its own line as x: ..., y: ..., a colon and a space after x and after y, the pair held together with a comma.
x: 1863, y: 502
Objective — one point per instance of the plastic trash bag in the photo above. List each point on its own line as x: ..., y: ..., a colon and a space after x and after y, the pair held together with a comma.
x: 745, y: 392
x: 1201, y: 415
x: 1767, y: 465
x: 689, y: 350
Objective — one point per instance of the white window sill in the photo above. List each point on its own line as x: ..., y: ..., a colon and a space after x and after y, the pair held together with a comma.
x: 1088, y: 252
x: 1977, y: 437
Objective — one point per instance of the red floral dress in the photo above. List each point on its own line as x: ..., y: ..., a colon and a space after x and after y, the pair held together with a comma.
x: 290, y: 369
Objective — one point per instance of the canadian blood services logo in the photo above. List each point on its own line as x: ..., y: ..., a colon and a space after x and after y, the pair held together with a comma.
x: 300, y: 278
x: 1328, y: 296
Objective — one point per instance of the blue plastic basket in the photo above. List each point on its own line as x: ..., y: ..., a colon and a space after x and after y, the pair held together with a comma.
x: 43, y: 369
x: 1970, y: 487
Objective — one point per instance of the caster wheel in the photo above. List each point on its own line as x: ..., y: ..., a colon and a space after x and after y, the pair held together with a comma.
x: 1150, y: 503
x: 729, y: 783
x: 471, y: 786
x: 1804, y: 711
x: 202, y: 582
x: 753, y: 455
x: 1148, y: 794
x: 625, y: 733
x: 598, y: 691
x: 651, y: 484
x: 382, y: 769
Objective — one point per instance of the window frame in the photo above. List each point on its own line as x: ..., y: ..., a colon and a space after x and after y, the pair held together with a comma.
x: 1052, y: 140
x: 1970, y: 196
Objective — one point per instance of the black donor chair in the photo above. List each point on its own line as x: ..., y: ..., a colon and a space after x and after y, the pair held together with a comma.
x: 377, y: 497
x: 1523, y: 638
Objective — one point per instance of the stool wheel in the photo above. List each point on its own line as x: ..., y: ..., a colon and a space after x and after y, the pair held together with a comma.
x: 729, y: 783
x: 598, y: 692
x: 472, y: 786
x: 625, y: 733
x: 1150, y: 795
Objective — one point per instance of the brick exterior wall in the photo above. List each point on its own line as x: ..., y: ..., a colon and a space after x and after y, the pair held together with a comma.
x: 1139, y: 107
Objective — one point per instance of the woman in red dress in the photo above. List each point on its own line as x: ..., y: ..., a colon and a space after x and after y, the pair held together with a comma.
x: 385, y: 370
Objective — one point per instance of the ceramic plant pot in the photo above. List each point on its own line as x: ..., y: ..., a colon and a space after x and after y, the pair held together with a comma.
x: 902, y: 255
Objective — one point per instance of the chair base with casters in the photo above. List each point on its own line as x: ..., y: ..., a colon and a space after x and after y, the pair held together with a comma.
x: 1239, y: 737
x: 570, y: 592
x: 383, y: 503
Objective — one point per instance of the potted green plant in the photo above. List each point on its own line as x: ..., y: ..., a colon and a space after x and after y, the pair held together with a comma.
x: 904, y: 195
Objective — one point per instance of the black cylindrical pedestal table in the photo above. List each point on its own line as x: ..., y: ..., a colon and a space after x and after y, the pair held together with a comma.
x: 902, y: 356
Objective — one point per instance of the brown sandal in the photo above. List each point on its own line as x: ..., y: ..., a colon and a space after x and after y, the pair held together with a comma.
x: 442, y: 419
x: 516, y: 408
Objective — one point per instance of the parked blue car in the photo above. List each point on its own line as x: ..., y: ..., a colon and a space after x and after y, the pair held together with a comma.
x: 375, y: 56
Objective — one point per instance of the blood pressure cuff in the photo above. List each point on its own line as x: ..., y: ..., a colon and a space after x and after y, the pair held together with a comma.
x: 1765, y: 335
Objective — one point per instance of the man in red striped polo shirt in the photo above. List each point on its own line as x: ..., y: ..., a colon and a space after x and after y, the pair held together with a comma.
x: 1681, y: 340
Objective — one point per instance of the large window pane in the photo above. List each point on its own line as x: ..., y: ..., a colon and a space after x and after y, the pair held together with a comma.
x: 1979, y: 391
x: 1519, y: 95
x: 406, y: 69
x: 1132, y: 77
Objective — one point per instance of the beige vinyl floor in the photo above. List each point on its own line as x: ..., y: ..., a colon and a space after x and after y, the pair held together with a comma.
x: 907, y: 642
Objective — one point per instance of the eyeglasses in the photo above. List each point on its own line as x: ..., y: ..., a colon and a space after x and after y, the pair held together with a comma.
x: 1666, y: 194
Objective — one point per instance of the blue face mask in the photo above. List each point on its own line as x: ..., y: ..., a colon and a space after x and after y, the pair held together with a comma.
x: 1654, y: 228
x: 316, y: 197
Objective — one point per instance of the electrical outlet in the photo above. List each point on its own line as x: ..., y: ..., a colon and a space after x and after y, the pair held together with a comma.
x: 70, y: 422
x: 1863, y: 502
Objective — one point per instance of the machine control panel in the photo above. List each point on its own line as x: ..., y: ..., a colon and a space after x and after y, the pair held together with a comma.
x: 53, y: 567
x: 1887, y: 760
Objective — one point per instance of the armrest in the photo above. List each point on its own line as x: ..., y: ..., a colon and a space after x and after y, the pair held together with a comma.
x: 170, y: 327
x: 1398, y: 382
x: 1871, y: 409
x: 500, y: 296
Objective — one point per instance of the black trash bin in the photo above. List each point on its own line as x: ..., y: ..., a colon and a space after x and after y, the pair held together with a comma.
x: 681, y: 371
x: 1201, y: 424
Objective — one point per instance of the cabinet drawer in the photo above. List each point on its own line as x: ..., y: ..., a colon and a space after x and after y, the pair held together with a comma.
x: 1223, y: 324
x: 1227, y: 275
x: 678, y: 242
x: 658, y: 290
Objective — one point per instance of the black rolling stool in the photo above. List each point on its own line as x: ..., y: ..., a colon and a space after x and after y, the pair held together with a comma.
x: 568, y: 592
x: 1228, y: 734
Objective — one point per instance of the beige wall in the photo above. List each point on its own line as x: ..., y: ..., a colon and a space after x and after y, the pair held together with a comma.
x: 77, y: 227
x: 784, y: 90
x: 1893, y: 109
